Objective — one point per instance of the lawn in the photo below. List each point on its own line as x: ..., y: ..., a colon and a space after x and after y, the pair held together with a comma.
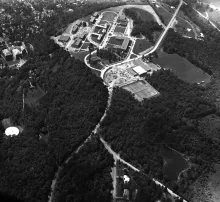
x: 103, y: 22
x: 182, y: 27
x: 109, y: 16
x: 95, y: 39
x: 143, y: 14
x: 97, y: 29
x: 85, y: 46
x: 33, y: 96
x: 165, y: 15
x: 81, y: 55
x: 141, y: 45
x: 120, y: 29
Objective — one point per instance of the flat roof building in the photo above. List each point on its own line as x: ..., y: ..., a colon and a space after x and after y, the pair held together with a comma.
x: 78, y: 42
x: 78, y: 23
x: 96, y: 14
x: 92, y: 19
x: 124, y: 45
x: 7, y: 55
x: 140, y: 70
x: 64, y: 39
x: 83, y: 35
x: 75, y: 29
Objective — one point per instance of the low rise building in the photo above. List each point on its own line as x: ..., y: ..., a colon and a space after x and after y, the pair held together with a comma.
x: 124, y: 45
x: 92, y: 19
x: 75, y: 29
x: 64, y: 39
x: 78, y: 42
x: 96, y: 14
x: 83, y: 35
x: 7, y: 55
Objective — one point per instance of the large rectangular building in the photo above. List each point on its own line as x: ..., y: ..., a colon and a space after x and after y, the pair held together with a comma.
x: 124, y: 45
x: 64, y: 39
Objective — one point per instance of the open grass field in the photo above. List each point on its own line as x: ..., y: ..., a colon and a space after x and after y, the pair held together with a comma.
x: 182, y: 27
x: 33, y: 96
x: 141, y: 45
x: 95, y: 39
x: 120, y: 29
x: 97, y: 29
x: 109, y: 16
x: 143, y: 14
x: 165, y: 15
x: 141, y: 89
x: 103, y: 22
x: 85, y: 46
x: 80, y: 56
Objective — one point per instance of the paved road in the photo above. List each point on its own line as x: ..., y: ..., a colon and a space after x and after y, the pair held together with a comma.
x: 147, y: 52
x: 117, y: 157
x: 193, y: 28
x: 166, y: 30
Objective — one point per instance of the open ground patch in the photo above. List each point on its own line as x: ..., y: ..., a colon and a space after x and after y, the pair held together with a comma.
x: 108, y: 15
x: 141, y: 45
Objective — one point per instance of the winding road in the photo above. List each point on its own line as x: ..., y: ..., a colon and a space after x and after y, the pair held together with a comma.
x: 97, y: 128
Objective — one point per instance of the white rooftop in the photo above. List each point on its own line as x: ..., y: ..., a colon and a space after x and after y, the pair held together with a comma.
x: 11, y: 131
x: 126, y: 178
x: 139, y: 70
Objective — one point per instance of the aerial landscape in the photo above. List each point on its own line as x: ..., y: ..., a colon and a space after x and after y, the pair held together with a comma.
x: 110, y: 100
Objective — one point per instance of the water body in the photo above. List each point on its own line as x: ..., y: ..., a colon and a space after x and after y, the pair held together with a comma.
x: 185, y: 70
x: 174, y: 163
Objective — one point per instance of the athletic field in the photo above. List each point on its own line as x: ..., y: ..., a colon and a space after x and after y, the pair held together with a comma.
x: 141, y: 89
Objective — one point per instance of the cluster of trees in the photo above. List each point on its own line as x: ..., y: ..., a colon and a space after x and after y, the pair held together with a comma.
x: 112, y: 55
x: 73, y: 105
x: 207, y: 29
x: 75, y: 101
x: 86, y: 177
x: 146, y: 28
x: 137, y: 130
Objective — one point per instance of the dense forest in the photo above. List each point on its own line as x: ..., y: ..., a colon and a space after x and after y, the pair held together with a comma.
x: 145, y: 28
x: 86, y: 177
x: 73, y: 105
x: 74, y: 101
x: 137, y: 130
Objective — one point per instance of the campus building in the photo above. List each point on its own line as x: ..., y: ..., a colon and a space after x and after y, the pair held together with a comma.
x: 83, y: 35
x: 75, y: 29
x: 77, y: 42
x: 124, y: 45
x: 64, y: 39
x: 92, y: 19
x: 122, y: 21
x: 96, y: 14
x: 17, y: 54
x: 7, y: 55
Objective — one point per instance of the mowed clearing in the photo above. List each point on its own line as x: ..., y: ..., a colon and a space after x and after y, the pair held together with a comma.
x: 141, y: 89
x: 108, y: 16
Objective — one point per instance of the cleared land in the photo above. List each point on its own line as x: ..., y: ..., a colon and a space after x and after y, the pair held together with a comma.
x: 141, y: 89
x: 108, y: 15
x: 141, y: 45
